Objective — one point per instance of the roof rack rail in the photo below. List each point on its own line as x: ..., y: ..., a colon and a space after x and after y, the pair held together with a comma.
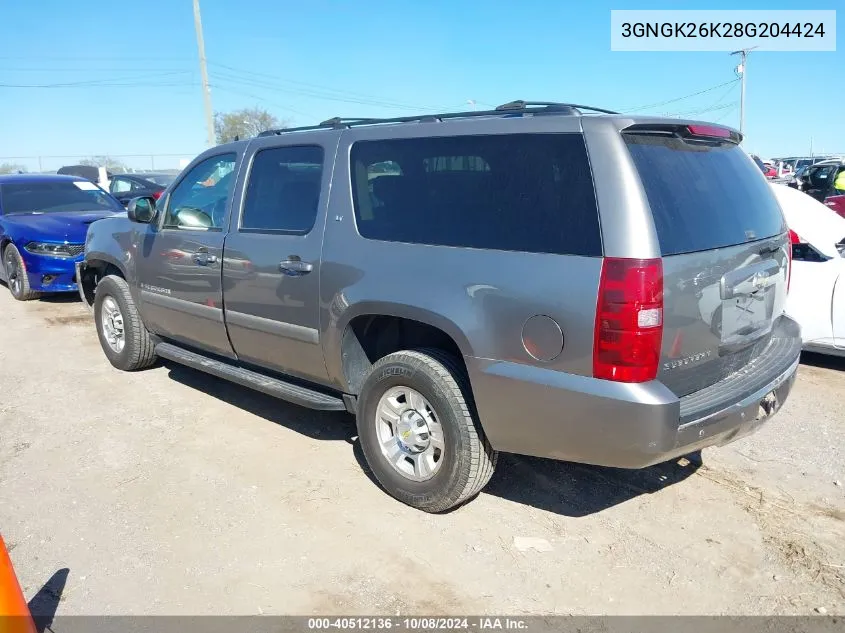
x: 552, y: 105
x: 341, y: 121
x: 520, y: 107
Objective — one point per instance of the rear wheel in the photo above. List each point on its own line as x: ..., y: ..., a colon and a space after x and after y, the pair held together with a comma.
x: 123, y: 336
x: 419, y: 433
x: 16, y: 275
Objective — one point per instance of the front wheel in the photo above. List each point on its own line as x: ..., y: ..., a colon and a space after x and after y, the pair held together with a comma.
x: 123, y: 336
x: 16, y: 275
x: 418, y: 431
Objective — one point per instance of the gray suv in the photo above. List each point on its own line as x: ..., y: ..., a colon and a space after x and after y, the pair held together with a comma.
x: 542, y: 278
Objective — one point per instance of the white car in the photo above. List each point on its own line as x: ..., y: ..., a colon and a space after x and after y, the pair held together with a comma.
x: 816, y: 296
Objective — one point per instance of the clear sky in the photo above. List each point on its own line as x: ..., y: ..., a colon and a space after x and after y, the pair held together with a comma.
x: 136, y: 79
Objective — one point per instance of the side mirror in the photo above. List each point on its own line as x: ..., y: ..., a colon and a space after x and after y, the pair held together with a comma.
x: 141, y: 210
x: 191, y: 218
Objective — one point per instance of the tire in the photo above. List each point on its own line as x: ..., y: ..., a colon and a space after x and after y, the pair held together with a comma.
x: 137, y: 350
x: 466, y: 460
x: 16, y: 276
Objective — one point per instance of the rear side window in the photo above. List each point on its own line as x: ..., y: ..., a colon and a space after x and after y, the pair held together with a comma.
x: 703, y: 195
x: 514, y: 192
x: 283, y: 190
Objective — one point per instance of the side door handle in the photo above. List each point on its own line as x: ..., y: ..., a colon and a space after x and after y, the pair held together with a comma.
x: 293, y: 266
x: 203, y: 258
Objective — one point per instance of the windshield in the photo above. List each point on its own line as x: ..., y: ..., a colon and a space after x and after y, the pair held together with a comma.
x: 703, y: 195
x: 160, y: 179
x: 55, y: 196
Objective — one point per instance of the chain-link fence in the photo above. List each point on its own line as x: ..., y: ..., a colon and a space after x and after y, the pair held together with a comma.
x: 113, y: 162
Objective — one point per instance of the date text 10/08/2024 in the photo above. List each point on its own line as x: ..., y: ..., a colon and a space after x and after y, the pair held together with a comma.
x: 418, y: 624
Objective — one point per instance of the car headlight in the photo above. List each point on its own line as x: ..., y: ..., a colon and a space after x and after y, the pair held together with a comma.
x: 55, y: 250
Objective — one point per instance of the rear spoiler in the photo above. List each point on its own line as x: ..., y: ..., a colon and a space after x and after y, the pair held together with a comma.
x: 690, y: 131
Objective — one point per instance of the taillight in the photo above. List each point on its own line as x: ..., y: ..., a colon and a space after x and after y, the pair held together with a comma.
x: 157, y: 194
x: 793, y: 239
x: 629, y: 320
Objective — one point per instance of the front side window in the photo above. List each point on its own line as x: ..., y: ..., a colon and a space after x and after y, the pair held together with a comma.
x: 199, y: 200
x: 283, y: 191
x: 55, y: 196
x: 512, y: 192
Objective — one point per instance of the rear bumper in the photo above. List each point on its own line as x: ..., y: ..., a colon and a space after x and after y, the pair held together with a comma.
x: 50, y: 274
x: 535, y: 411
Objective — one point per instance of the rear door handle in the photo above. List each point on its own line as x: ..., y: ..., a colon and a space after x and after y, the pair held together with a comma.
x: 294, y: 267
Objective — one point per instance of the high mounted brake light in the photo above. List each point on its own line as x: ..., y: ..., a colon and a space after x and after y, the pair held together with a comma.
x: 629, y: 320
x: 709, y: 130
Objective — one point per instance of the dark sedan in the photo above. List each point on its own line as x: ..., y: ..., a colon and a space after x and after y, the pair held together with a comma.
x: 124, y: 187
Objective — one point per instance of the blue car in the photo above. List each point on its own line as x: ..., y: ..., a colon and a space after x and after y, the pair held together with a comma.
x: 43, y: 223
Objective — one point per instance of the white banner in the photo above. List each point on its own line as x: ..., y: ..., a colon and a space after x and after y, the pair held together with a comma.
x: 717, y: 30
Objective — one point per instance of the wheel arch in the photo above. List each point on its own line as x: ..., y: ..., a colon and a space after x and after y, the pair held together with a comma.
x: 368, y: 335
x: 95, y: 266
x: 5, y: 240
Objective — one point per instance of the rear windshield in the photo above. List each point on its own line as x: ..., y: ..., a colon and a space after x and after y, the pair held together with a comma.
x: 512, y: 192
x: 703, y: 195
x: 55, y: 196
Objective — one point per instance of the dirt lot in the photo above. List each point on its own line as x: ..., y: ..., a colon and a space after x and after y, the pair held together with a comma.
x: 170, y: 492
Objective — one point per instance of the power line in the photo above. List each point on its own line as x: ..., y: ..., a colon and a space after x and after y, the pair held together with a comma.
x: 703, y: 110
x: 721, y: 118
x: 217, y: 86
x: 106, y: 81
x: 309, y: 89
x: 149, y: 84
x: 303, y: 83
x: 694, y: 94
x: 316, y: 94
x: 94, y: 58
x: 715, y: 105
x: 88, y: 69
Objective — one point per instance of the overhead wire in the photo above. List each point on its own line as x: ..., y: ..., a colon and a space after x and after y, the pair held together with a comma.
x: 715, y: 105
x: 216, y: 86
x: 310, y: 89
x: 107, y: 81
x: 675, y: 100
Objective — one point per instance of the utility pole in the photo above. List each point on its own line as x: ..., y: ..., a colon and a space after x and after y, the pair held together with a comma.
x: 206, y: 91
x: 741, y: 70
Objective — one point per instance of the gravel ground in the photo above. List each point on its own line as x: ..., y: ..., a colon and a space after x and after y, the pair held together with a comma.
x: 171, y: 492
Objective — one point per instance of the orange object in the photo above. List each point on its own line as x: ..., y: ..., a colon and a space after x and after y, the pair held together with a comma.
x: 14, y: 612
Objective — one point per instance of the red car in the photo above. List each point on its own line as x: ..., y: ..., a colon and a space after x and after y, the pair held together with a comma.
x: 837, y: 203
x: 770, y: 172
